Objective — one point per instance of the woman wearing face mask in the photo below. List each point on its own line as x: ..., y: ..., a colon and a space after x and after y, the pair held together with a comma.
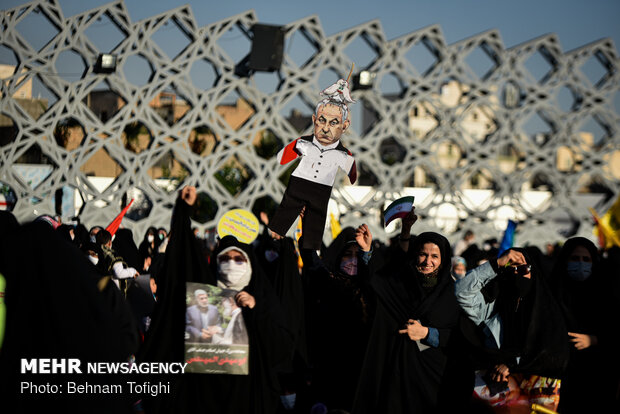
x: 518, y: 334
x: 339, y: 312
x: 148, y: 246
x: 459, y: 267
x: 271, y: 342
x: 584, y: 295
x: 233, y: 267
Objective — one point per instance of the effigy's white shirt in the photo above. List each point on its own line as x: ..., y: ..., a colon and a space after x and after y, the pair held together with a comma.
x: 320, y: 163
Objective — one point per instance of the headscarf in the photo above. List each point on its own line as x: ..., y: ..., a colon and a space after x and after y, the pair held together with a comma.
x: 443, y: 271
x: 65, y: 231
x: 145, y: 248
x: 458, y: 260
x: 333, y: 254
x: 402, y: 293
x: 533, y: 326
x: 223, y: 280
x: 124, y: 246
x: 578, y: 298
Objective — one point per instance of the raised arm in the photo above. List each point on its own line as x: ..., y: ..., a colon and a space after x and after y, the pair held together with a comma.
x: 405, y: 229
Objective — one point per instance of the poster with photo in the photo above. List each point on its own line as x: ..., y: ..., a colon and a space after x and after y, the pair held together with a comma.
x: 216, y: 339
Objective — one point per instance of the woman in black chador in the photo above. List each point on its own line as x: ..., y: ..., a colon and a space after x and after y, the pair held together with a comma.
x: 270, y: 339
x: 339, y: 314
x: 405, y: 363
x: 584, y: 292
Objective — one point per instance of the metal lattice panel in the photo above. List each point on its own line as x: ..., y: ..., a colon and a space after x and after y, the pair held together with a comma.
x: 474, y: 153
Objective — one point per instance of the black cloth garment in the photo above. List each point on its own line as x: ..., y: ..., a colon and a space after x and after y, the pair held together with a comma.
x: 270, y: 340
x: 124, y: 245
x: 396, y: 376
x: 59, y: 306
x: 81, y: 235
x: 590, y: 382
x: 533, y: 325
x: 141, y: 300
x: 146, y: 248
x: 339, y: 311
x: 65, y: 231
x: 278, y: 261
x: 302, y: 193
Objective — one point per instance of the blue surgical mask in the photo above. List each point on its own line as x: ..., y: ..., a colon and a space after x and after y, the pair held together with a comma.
x: 579, y: 271
x: 288, y: 401
x: 271, y: 255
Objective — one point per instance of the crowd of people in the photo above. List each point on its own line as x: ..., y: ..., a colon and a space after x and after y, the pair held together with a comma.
x: 361, y: 327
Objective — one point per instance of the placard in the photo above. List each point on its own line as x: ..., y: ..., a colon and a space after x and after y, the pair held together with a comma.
x: 239, y: 223
x: 216, y: 338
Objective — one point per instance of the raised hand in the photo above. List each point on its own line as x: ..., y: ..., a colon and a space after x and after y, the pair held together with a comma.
x: 510, y: 258
x: 363, y: 237
x: 500, y: 373
x: 188, y: 194
x: 408, y: 221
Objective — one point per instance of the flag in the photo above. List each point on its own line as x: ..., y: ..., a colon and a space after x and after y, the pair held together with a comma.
x: 334, y: 225
x: 296, y: 235
x: 114, y: 225
x: 605, y: 227
x: 508, y: 239
x: 611, y: 222
x: 398, y: 209
x: 598, y: 229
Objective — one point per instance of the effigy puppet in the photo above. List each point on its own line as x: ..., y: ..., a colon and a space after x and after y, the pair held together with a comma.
x: 322, y: 154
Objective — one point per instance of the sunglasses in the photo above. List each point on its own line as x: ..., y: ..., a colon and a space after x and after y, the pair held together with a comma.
x: 226, y: 258
x: 521, y: 270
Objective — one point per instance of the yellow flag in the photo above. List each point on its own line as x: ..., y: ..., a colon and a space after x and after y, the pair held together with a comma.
x: 334, y: 225
x: 608, y: 226
x: 296, y: 236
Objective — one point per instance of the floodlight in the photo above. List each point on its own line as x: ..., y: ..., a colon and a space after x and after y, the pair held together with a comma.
x: 106, y: 63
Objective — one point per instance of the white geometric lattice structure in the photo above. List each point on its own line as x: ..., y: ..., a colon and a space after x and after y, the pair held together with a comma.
x: 476, y: 174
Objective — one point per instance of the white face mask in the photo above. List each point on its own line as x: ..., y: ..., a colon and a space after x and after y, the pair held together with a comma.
x: 150, y: 238
x: 579, y: 271
x: 93, y: 260
x: 93, y: 239
x: 232, y: 271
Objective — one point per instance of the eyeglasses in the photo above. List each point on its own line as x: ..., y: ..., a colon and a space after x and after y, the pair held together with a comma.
x: 226, y: 258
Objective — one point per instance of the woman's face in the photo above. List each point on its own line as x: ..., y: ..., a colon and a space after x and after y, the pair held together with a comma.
x: 580, y: 254
x: 348, y: 263
x: 459, y: 269
x: 429, y: 258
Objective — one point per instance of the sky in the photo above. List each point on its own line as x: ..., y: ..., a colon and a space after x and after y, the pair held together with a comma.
x: 576, y: 22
